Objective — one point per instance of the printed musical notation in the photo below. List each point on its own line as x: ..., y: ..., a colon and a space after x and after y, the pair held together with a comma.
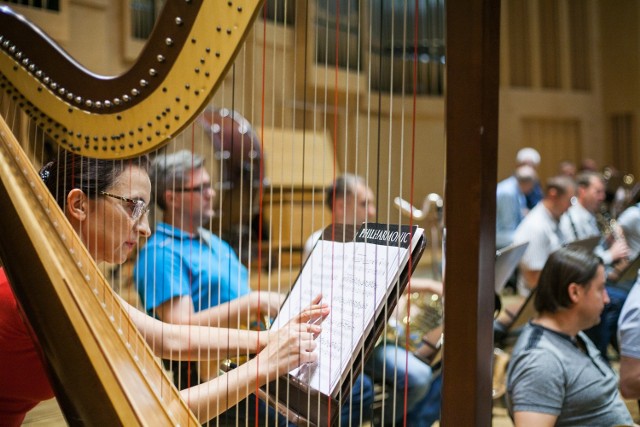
x: 355, y: 279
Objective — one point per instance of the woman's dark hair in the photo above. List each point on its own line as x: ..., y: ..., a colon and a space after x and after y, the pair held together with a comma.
x: 90, y: 175
x: 564, y: 266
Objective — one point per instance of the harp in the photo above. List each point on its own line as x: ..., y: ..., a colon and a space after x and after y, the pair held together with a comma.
x: 105, y: 372
x: 111, y: 122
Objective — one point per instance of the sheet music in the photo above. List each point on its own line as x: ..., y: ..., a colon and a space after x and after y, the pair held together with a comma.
x: 354, y: 278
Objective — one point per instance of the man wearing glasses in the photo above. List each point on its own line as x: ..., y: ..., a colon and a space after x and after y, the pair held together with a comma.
x: 184, y: 269
x: 184, y: 272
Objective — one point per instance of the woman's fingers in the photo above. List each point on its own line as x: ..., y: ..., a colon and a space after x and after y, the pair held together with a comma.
x: 314, y: 313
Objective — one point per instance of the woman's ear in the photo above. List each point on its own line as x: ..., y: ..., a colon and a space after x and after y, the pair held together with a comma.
x: 77, y: 204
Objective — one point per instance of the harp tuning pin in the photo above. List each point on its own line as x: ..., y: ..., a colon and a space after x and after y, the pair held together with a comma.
x: 160, y: 58
x: 98, y: 104
x: 70, y: 96
x: 78, y: 99
x: 144, y: 83
x: 62, y: 91
x: 88, y: 103
x: 152, y: 72
x: 39, y: 73
x: 46, y: 80
x: 125, y: 98
x: 135, y: 92
x: 107, y: 103
x: 178, y: 20
x: 168, y: 41
x: 117, y: 101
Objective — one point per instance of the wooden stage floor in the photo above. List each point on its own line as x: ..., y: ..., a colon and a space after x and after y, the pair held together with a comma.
x: 48, y: 413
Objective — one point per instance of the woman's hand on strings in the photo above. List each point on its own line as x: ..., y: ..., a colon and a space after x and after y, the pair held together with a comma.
x: 294, y: 344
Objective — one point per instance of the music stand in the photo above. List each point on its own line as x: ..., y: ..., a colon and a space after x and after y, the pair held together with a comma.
x: 507, y: 260
x: 630, y: 272
x: 303, y: 404
x: 588, y: 244
x: 526, y: 312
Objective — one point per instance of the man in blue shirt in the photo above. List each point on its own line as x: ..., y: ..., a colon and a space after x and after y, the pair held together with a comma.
x: 530, y: 156
x: 184, y: 272
x: 511, y: 203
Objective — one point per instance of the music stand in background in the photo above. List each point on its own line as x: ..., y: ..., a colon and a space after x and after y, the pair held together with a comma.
x: 588, y: 244
x: 630, y: 272
x: 507, y: 260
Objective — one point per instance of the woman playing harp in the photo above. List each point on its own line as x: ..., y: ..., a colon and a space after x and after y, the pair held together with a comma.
x: 93, y: 193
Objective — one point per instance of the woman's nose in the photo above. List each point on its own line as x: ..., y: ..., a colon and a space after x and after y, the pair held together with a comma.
x: 142, y: 226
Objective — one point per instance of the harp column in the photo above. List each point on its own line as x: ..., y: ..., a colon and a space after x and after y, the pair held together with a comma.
x: 470, y: 193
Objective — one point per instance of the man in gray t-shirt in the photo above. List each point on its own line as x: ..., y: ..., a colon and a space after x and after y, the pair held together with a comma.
x: 629, y: 331
x: 556, y: 375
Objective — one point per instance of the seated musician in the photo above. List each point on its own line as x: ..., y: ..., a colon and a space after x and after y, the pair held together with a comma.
x: 556, y: 375
x: 580, y: 222
x: 94, y: 193
x: 185, y: 271
x: 629, y: 331
x: 541, y: 229
x: 353, y: 202
x: 511, y: 203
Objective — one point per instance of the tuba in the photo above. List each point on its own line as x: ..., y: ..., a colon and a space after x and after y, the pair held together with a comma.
x: 418, y: 320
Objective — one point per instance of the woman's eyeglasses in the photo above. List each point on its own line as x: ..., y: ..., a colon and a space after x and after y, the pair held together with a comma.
x: 138, y: 207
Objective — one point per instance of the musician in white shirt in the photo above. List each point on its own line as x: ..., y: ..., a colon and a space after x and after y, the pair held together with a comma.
x: 579, y: 222
x: 352, y: 202
x: 541, y: 229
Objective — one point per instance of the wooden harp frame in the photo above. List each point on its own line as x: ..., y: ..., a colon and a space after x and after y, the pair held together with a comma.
x: 111, y: 377
x: 187, y: 55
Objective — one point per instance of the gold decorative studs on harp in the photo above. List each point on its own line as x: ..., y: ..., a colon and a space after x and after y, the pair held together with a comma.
x: 141, y: 110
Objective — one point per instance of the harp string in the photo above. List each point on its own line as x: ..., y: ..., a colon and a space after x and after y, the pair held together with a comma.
x: 349, y: 149
x: 84, y: 265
